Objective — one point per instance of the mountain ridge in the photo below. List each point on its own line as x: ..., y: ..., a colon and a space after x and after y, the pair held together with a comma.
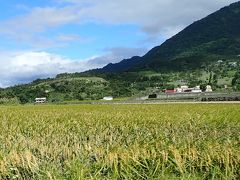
x: 191, y: 57
x: 215, y: 36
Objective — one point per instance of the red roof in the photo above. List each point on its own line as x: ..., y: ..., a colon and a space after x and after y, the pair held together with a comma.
x: 170, y: 91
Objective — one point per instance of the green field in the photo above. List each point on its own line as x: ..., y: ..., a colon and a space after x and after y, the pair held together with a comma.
x: 172, y: 141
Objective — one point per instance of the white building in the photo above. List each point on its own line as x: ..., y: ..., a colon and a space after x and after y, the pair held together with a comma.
x: 187, y: 89
x: 40, y: 100
x: 181, y: 89
x: 196, y: 91
x: 184, y: 87
x: 233, y: 64
x: 108, y: 98
x: 209, y: 88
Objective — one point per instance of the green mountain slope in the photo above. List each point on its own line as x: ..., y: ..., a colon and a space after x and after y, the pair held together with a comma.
x: 215, y: 37
x: 66, y: 87
x: 189, y: 58
x: 58, y: 89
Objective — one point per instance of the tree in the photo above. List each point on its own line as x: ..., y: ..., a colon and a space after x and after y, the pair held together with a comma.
x: 236, y: 81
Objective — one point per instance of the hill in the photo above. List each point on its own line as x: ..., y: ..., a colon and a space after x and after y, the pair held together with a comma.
x: 58, y: 89
x: 205, y: 53
x: 66, y: 87
x: 214, y: 37
x: 90, y: 86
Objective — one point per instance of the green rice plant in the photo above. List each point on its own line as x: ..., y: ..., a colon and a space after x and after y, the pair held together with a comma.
x: 168, y: 141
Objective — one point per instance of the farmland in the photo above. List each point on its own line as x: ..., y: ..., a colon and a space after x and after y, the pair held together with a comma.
x: 168, y: 141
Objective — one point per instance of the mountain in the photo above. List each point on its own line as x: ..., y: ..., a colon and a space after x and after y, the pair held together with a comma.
x: 124, y: 65
x: 191, y: 57
x: 216, y: 36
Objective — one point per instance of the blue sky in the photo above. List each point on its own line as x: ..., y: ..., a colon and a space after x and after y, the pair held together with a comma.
x: 78, y: 40
x: 77, y: 35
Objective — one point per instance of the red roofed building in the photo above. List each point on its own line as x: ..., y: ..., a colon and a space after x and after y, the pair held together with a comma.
x: 170, y: 91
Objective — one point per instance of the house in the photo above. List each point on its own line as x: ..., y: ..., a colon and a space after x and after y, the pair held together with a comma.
x: 233, y: 64
x: 40, y: 100
x: 209, y: 88
x: 196, y: 91
x: 170, y: 91
x: 108, y: 98
x: 182, y: 89
x: 186, y: 89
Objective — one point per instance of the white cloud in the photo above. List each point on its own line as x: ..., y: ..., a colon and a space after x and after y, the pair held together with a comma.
x: 28, y: 28
x: 40, y: 19
x: 23, y: 67
x: 155, y: 17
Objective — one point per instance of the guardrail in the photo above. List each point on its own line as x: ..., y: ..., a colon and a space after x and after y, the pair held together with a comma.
x: 204, y: 96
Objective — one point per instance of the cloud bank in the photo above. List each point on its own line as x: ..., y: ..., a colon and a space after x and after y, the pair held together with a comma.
x: 23, y: 67
x: 155, y: 17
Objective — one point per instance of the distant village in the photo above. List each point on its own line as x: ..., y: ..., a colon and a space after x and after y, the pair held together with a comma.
x: 182, y: 90
x: 186, y: 89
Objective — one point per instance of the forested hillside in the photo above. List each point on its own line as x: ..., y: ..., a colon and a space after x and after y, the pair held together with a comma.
x: 204, y: 53
x: 214, y: 37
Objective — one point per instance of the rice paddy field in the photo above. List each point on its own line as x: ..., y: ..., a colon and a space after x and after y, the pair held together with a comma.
x: 171, y: 141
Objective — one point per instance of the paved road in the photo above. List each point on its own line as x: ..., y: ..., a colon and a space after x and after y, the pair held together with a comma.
x: 177, y: 102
